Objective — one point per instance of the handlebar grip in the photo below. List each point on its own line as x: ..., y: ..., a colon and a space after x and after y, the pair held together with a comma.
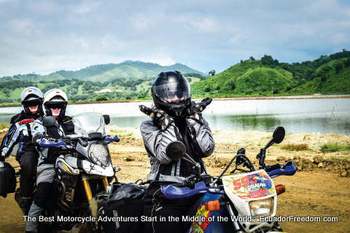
x: 109, y: 139
x: 288, y: 169
x: 52, y: 143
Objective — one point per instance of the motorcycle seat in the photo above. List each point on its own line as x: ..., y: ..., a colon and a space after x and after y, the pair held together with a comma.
x: 176, y: 192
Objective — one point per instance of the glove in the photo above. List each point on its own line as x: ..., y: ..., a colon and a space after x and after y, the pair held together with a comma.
x: 161, y: 118
x: 194, y: 112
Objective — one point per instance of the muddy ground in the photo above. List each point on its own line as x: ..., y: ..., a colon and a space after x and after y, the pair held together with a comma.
x: 314, y: 191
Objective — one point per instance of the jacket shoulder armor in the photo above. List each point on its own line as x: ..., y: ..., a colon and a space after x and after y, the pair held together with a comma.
x: 17, y: 117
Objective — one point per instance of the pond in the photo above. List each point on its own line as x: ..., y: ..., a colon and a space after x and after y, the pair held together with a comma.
x: 328, y: 115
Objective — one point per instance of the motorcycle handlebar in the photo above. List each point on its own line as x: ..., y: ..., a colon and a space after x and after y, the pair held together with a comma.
x: 287, y: 169
x: 197, y: 107
x: 52, y: 143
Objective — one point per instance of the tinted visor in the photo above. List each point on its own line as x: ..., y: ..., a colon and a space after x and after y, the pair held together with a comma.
x: 31, y: 102
x: 56, y: 105
x: 173, y: 90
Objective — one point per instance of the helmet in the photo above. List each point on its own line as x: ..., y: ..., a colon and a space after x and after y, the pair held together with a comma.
x: 31, y: 96
x: 171, y: 93
x: 55, y: 98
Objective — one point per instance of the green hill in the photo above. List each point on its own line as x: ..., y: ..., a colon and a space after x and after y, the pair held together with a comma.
x: 132, y: 80
x: 267, y: 76
x: 127, y: 80
x: 125, y: 70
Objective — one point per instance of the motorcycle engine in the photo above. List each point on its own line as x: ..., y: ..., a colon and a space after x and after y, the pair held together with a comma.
x: 66, y: 189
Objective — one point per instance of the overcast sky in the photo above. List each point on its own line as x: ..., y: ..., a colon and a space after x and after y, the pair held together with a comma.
x: 43, y: 36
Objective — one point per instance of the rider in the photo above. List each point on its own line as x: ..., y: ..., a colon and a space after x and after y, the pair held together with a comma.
x: 20, y: 133
x: 55, y: 103
x: 173, y: 120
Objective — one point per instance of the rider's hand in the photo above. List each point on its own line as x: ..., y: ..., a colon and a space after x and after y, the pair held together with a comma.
x: 194, y: 112
x: 161, y: 118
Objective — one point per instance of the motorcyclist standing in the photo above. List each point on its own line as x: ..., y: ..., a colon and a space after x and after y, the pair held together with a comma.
x: 173, y: 120
x: 20, y: 133
x: 55, y: 103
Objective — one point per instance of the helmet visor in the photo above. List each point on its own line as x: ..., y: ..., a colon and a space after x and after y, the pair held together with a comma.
x: 56, y: 104
x: 174, y: 91
x: 32, y: 102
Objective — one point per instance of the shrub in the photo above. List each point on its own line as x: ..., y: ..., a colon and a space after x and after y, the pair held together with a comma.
x: 334, y: 147
x: 295, y: 147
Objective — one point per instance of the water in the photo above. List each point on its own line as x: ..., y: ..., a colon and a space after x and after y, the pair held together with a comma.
x: 296, y: 115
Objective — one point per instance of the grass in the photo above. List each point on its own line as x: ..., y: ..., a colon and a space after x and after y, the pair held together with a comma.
x: 295, y: 147
x: 334, y: 147
x: 3, y: 126
x: 122, y: 133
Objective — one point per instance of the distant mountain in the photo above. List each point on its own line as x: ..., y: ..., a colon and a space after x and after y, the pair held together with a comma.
x: 128, y: 70
x: 126, y: 80
x: 267, y: 76
x: 329, y: 74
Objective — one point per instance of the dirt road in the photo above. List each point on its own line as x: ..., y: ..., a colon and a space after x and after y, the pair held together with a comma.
x: 309, y: 193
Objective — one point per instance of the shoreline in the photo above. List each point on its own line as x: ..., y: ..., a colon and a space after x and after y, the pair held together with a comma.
x: 291, y: 97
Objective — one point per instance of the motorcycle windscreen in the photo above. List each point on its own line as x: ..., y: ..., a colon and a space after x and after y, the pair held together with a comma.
x: 90, y: 122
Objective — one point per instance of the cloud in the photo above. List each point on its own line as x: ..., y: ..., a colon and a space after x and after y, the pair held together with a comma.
x: 45, y: 36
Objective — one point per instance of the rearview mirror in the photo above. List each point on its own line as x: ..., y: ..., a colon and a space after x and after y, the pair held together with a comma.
x: 107, y: 119
x: 175, y: 150
x: 49, y: 121
x: 278, y: 135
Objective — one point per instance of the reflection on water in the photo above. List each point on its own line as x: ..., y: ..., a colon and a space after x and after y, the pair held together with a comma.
x: 296, y: 115
x: 267, y: 123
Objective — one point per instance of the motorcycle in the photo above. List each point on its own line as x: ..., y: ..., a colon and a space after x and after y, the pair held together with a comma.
x: 239, y: 202
x: 84, y: 172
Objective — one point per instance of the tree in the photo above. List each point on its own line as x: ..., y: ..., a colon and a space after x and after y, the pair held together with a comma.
x: 269, y: 61
x: 212, y: 73
x: 230, y: 85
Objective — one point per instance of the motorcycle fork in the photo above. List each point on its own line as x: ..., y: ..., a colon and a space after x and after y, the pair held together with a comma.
x: 235, y: 224
x: 105, y: 183
x: 89, y: 197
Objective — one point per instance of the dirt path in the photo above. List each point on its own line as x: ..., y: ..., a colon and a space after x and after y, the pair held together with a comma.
x: 308, y: 193
x: 314, y: 193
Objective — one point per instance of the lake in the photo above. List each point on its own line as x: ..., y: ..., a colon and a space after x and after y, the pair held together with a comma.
x: 330, y: 115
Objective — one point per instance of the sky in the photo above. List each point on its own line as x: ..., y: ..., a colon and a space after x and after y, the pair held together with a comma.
x: 43, y: 36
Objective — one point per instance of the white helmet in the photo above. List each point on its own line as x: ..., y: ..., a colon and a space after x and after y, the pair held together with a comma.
x: 31, y: 93
x: 55, y: 97
x: 31, y: 96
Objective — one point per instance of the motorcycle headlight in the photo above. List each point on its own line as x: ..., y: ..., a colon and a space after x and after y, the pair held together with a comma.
x: 261, y: 207
x: 99, y: 155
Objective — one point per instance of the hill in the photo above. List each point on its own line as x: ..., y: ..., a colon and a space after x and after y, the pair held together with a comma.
x: 267, y: 76
x: 124, y: 70
x: 126, y: 80
x: 329, y: 74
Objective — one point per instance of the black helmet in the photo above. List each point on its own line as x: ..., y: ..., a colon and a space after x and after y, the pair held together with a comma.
x: 31, y: 96
x: 171, y: 93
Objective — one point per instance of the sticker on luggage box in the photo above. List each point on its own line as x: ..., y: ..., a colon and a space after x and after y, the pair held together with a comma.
x: 250, y: 185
